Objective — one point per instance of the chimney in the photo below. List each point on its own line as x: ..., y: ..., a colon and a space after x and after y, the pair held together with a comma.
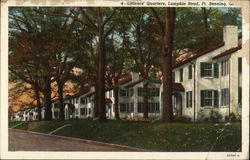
x: 135, y: 76
x: 230, y: 36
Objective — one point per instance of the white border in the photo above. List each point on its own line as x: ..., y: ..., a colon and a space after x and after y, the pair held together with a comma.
x: 114, y: 155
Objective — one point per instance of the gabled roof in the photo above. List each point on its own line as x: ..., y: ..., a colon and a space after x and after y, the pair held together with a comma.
x: 199, y: 54
x: 125, y: 80
x: 90, y: 94
x: 178, y: 87
x: 134, y: 83
x: 227, y: 52
x: 78, y: 94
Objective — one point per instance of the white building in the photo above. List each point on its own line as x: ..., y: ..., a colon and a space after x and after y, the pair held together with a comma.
x: 211, y: 79
x: 130, y: 99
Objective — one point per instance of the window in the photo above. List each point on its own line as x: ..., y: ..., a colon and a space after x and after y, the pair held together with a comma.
x: 240, y: 65
x: 154, y: 92
x: 110, y: 93
x: 190, y: 72
x: 89, y: 110
x: 189, y: 99
x: 224, y: 68
x: 124, y: 107
x: 83, y: 111
x: 224, y: 97
x: 124, y: 92
x: 154, y: 108
x: 181, y: 75
x: 173, y: 76
x: 209, y: 69
x: 209, y: 98
x: 56, y: 105
x: 140, y: 107
x: 239, y: 95
x: 131, y: 107
x: 84, y: 100
x: 131, y: 92
x: 140, y: 91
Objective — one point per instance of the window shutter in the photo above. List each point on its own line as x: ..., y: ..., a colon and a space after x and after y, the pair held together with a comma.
x: 202, y: 66
x: 187, y: 99
x: 216, y: 98
x: 216, y: 70
x: 190, y: 71
x: 202, y: 98
x: 191, y: 99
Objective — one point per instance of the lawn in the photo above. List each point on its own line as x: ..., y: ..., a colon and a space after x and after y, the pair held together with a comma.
x: 18, y: 125
x: 155, y: 136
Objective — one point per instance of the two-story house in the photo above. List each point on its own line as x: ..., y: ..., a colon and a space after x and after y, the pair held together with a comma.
x: 211, y: 80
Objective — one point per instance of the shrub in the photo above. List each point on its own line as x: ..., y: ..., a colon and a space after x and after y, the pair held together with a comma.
x: 238, y: 117
x: 201, y: 116
x: 215, y: 116
x: 231, y: 117
x: 183, y: 119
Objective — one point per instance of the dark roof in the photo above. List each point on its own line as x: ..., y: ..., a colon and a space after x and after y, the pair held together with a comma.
x: 125, y: 80
x: 227, y: 52
x: 120, y: 82
x: 77, y: 94
x: 90, y: 94
x: 134, y: 83
x: 199, y: 54
x: 178, y: 87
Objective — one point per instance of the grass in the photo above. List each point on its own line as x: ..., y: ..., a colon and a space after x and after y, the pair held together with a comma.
x: 15, y: 124
x: 155, y: 136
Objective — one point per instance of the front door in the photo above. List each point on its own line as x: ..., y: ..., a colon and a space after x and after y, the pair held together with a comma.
x: 177, y: 103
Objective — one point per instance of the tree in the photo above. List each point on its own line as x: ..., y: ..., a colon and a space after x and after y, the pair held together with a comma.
x: 99, y: 20
x: 142, y: 45
x: 166, y: 29
x: 38, y: 45
x: 115, y: 65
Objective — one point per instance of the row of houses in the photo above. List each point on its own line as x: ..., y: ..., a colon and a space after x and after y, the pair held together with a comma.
x: 209, y: 80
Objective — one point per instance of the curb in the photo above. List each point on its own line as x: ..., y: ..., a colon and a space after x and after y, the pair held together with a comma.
x: 133, y: 149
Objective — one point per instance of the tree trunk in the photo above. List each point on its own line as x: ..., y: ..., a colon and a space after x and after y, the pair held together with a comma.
x: 116, y: 97
x: 47, y: 96
x: 60, y: 94
x: 167, y: 110
x: 145, y: 99
x: 101, y: 69
x: 38, y: 104
x: 96, y: 108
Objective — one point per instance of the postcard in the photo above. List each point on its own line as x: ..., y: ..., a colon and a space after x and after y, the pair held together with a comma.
x: 132, y: 79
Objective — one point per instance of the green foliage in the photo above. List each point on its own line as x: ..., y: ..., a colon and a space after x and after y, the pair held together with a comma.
x: 231, y: 117
x: 214, y: 116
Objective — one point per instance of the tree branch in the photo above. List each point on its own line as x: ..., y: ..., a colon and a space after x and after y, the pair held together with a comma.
x: 153, y: 11
x: 110, y: 29
x: 88, y: 19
